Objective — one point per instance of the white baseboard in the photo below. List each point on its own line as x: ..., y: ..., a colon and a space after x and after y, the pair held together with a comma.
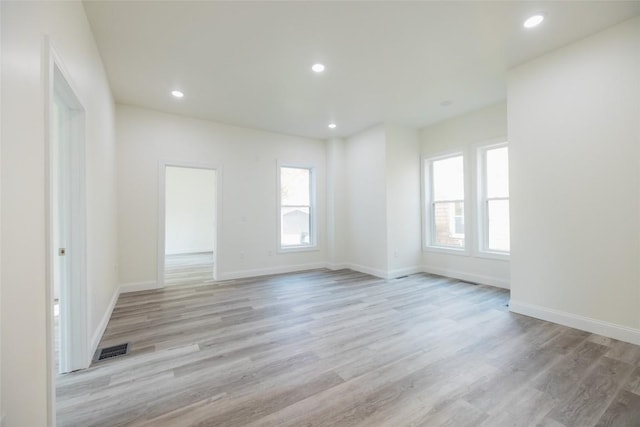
x: 368, y: 270
x: 138, y: 286
x: 242, y: 274
x: 383, y: 274
x: 399, y: 272
x: 102, y: 326
x: 595, y: 326
x: 337, y: 266
x: 470, y: 277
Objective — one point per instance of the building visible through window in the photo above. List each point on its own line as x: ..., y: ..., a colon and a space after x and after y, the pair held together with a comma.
x: 296, y: 207
x: 494, y: 190
x: 446, y: 190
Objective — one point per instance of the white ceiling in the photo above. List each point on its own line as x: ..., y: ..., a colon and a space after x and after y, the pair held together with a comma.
x: 249, y: 63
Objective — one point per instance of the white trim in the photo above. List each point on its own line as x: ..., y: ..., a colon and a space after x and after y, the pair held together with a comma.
x: 383, y: 274
x: 387, y: 275
x: 102, y: 326
x: 338, y: 266
x: 243, y: 274
x: 399, y: 272
x: 469, y: 277
x: 138, y: 286
x: 447, y: 251
x: 368, y: 270
x: 162, y: 167
x: 595, y: 326
x: 498, y: 256
x: 313, y: 211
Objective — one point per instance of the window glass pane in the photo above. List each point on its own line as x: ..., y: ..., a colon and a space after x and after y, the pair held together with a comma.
x: 448, y: 179
x: 498, y: 172
x: 295, y: 226
x: 449, y: 224
x: 498, y: 212
x: 294, y: 186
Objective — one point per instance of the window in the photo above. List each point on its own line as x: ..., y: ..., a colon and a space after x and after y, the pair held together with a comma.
x: 493, y: 194
x: 296, y: 216
x: 445, y: 214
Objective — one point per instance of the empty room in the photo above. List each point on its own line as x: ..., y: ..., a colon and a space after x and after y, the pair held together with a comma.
x: 319, y: 213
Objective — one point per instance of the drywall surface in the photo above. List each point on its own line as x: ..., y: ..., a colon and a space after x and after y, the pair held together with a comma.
x: 247, y: 168
x: 463, y: 134
x: 367, y: 201
x: 337, y: 243
x: 190, y: 198
x: 25, y: 382
x: 403, y: 200
x: 575, y: 151
x: 1, y: 407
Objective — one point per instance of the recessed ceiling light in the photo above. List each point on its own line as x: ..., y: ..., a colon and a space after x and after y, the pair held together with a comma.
x: 177, y: 93
x: 534, y: 21
x: 332, y: 125
x: 318, y: 68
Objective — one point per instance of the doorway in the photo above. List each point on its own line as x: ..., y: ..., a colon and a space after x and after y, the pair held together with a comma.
x: 66, y: 231
x: 190, y: 225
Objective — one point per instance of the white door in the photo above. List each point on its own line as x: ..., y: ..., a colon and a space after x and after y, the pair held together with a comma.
x: 68, y: 226
x: 60, y: 211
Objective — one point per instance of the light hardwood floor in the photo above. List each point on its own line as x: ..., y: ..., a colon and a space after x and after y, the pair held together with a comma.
x: 185, y: 269
x: 323, y: 348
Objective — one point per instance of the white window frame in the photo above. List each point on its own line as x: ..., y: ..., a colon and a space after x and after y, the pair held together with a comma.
x: 313, y: 229
x: 428, y: 223
x: 482, y: 203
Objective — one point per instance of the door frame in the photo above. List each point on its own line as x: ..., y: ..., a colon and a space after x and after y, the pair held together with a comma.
x: 57, y: 82
x: 162, y: 182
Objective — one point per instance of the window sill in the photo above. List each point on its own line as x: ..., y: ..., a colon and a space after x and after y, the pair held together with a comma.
x: 294, y: 249
x: 446, y: 251
x: 499, y: 256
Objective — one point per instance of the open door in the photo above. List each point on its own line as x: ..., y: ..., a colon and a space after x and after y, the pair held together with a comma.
x: 67, y: 226
x: 189, y: 229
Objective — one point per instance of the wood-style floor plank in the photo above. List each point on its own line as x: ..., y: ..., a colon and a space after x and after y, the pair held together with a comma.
x: 341, y: 348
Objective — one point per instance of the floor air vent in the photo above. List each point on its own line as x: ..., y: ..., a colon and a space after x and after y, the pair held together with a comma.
x: 113, y: 351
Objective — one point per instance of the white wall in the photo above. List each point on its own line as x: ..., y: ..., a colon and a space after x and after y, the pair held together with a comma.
x: 403, y: 200
x: 378, y: 184
x: 1, y: 407
x: 461, y: 134
x: 575, y: 156
x: 190, y: 198
x: 248, y: 162
x: 24, y: 332
x: 367, y: 201
x: 337, y: 242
